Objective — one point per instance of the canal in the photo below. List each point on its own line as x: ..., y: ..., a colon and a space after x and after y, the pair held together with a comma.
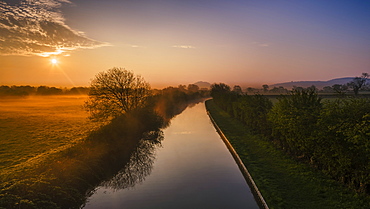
x: 190, y: 168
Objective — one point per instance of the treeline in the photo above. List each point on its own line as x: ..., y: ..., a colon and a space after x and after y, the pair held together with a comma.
x: 171, y: 100
x: 333, y: 136
x: 334, y: 89
x: 40, y: 90
x: 191, y: 90
x: 356, y: 85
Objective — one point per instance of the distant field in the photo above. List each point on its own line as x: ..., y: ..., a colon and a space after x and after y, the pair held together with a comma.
x: 35, y: 126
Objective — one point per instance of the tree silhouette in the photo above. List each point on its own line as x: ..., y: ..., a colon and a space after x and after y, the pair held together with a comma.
x: 219, y: 88
x: 237, y: 89
x: 358, y: 82
x: 193, y: 88
x: 265, y: 88
x: 340, y: 89
x: 115, y: 92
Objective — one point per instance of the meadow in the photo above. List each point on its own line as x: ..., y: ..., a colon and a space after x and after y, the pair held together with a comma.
x: 32, y: 127
x: 39, y: 134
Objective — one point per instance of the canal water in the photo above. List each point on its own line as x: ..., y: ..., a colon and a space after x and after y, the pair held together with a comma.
x: 190, y: 168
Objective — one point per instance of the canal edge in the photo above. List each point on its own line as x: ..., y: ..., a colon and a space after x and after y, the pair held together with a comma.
x: 241, y: 165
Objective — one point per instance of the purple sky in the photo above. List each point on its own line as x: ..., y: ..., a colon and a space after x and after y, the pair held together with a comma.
x: 180, y: 42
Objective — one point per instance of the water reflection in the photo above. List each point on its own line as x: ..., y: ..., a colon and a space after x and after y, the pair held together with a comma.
x: 140, y: 164
x: 194, y: 169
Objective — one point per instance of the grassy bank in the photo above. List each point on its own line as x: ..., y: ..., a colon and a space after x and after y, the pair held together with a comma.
x: 284, y: 182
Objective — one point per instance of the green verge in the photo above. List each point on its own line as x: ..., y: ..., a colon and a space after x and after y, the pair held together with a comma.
x: 284, y: 182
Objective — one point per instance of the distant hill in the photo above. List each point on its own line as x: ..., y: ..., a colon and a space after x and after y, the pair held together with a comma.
x: 318, y: 84
x: 203, y: 84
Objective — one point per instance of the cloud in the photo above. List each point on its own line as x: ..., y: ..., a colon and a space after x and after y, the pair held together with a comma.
x: 184, y: 46
x: 37, y: 27
x: 264, y: 45
x: 137, y: 46
x: 260, y: 44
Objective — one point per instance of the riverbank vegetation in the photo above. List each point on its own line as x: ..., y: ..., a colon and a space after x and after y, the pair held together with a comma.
x: 53, y: 157
x: 322, y: 140
x: 283, y: 181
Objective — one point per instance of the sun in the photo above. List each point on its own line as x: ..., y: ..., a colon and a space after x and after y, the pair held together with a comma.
x: 54, y: 61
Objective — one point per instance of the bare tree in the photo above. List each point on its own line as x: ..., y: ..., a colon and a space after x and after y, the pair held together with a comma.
x: 358, y: 82
x: 115, y: 92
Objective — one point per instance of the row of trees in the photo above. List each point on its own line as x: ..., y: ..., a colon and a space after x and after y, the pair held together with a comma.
x: 331, y: 135
x: 40, y: 90
x: 266, y: 90
x: 336, y: 88
x: 190, y: 90
x: 356, y: 85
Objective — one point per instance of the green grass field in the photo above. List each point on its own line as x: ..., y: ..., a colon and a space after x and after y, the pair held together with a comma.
x: 284, y: 182
x: 33, y: 127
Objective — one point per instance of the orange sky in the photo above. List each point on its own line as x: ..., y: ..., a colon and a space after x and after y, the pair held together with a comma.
x: 180, y: 42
